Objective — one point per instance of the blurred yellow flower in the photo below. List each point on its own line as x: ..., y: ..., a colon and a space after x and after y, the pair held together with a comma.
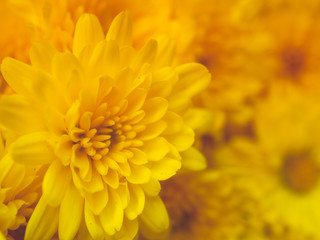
x: 19, y: 192
x: 207, y: 205
x: 281, y: 166
x: 293, y: 54
x: 107, y: 120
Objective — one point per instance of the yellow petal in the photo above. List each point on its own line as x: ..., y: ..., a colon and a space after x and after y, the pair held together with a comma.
x: 136, y: 203
x: 97, y: 201
x: 88, y: 31
x: 123, y: 192
x: 70, y: 213
x: 165, y: 168
x: 154, y: 218
x: 62, y: 74
x: 72, y: 115
x: 95, y: 184
x: 152, y: 130
x: 139, y: 157
x: 17, y: 114
x: 112, y: 178
x: 152, y: 188
x: 6, y: 164
x: 154, y: 108
x: 41, y: 54
x: 55, y: 183
x: 33, y: 83
x: 105, y: 59
x: 160, y: 89
x: 175, y: 123
x: 128, y: 231
x: 156, y: 149
x: 182, y: 140
x: 165, y: 51
x: 124, y: 81
x: 121, y: 29
x: 193, y: 78
x: 136, y: 99
x: 112, y: 216
x: 139, y: 174
x: 193, y: 160
x: 18, y: 75
x: 13, y: 174
x: 43, y: 223
x: 146, y: 55
x: 93, y: 223
x: 32, y: 149
x: 124, y: 169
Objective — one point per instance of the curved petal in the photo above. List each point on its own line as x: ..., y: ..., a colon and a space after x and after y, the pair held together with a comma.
x: 43, y: 223
x: 183, y: 139
x: 156, y: 149
x: 121, y: 29
x: 128, y: 231
x: 193, y: 160
x: 193, y: 77
x: 154, y: 219
x: 88, y: 31
x: 93, y: 224
x: 32, y: 149
x: 165, y: 168
x: 70, y: 214
x: 155, y: 108
x: 136, y: 203
x: 139, y: 174
x: 97, y: 201
x: 55, y: 183
x: 111, y: 217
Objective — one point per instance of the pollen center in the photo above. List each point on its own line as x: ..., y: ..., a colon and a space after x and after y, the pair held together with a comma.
x: 300, y: 173
x: 104, y: 131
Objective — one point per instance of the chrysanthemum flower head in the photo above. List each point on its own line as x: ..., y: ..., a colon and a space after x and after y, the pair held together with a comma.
x: 107, y: 121
x: 281, y: 165
x: 292, y: 57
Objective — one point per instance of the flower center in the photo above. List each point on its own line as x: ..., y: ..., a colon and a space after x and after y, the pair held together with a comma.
x: 300, y: 173
x: 106, y: 131
x: 293, y: 60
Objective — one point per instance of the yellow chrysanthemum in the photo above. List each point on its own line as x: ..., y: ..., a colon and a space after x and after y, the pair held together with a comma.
x: 281, y: 167
x: 19, y: 191
x: 107, y: 120
x: 292, y: 56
